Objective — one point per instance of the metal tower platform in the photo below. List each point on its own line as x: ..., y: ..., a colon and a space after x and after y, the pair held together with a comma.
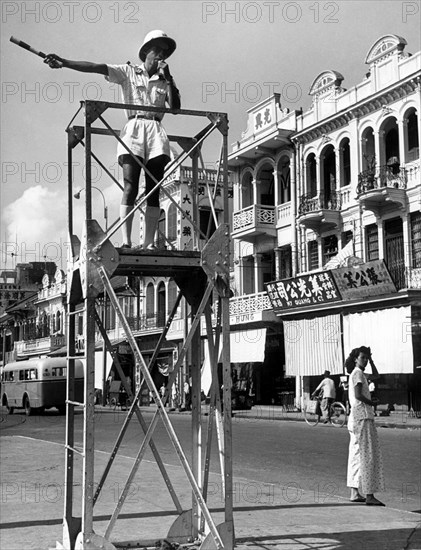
x: 199, y: 274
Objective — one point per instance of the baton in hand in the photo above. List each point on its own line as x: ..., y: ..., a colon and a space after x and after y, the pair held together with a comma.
x: 26, y: 46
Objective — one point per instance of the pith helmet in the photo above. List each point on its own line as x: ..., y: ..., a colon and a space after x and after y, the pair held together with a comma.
x: 151, y: 37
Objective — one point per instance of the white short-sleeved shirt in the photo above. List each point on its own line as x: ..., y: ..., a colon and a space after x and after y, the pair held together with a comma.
x: 359, y: 410
x: 328, y: 387
x: 145, y: 137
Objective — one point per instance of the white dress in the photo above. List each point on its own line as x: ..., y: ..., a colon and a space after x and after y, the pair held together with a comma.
x: 365, y: 464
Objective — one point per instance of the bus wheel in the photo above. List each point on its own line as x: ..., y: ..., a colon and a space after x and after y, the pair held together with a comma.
x: 9, y: 409
x: 28, y: 408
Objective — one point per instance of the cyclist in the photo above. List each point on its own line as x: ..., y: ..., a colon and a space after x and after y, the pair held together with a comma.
x: 327, y: 389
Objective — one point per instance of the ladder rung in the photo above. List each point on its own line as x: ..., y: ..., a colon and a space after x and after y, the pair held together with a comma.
x: 74, y: 450
x: 75, y: 403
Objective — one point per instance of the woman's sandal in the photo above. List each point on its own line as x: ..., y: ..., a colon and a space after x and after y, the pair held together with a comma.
x: 358, y: 498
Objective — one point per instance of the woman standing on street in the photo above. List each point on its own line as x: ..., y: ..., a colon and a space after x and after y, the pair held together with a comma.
x: 365, y: 465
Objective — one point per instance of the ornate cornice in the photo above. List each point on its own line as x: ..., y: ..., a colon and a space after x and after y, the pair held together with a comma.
x: 357, y: 111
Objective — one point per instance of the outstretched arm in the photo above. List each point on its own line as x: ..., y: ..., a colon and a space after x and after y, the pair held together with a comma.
x: 56, y: 62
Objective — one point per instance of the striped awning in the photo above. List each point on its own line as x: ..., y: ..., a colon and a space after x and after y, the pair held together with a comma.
x: 313, y: 346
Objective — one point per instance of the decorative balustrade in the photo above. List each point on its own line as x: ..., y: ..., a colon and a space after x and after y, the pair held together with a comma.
x: 413, y: 278
x: 39, y: 345
x: 387, y: 176
x: 322, y: 201
x: 283, y: 214
x: 345, y: 195
x: 185, y: 173
x: 249, y: 303
x: 253, y: 216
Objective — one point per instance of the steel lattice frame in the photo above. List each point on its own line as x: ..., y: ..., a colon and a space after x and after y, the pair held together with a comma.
x: 94, y: 261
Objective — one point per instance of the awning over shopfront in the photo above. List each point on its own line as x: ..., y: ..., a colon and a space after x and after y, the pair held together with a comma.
x: 387, y: 332
x: 313, y: 346
x: 246, y: 346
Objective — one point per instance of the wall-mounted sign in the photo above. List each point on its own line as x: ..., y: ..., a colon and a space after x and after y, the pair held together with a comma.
x: 347, y: 283
x: 364, y: 280
x: 305, y: 290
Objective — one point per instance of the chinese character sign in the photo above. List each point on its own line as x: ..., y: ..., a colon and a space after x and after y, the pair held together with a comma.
x: 306, y: 290
x: 363, y: 281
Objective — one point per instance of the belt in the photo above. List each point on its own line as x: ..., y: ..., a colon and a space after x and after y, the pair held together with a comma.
x: 155, y: 118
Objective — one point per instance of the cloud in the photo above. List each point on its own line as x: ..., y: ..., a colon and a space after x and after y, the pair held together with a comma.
x: 36, y: 224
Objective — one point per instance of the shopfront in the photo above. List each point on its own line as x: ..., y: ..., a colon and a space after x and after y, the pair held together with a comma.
x: 326, y: 314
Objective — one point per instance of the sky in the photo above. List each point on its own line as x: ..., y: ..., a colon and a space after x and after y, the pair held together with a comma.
x: 230, y: 55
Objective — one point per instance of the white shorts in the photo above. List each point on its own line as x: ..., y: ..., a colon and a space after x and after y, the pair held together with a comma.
x: 145, y: 138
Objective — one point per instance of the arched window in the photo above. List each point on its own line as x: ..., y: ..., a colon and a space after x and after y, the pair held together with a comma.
x: 284, y: 180
x: 150, y: 301
x: 413, y: 152
x: 311, y: 175
x: 345, y: 162
x: 246, y: 190
x: 368, y: 150
x: 172, y: 294
x: 161, y: 314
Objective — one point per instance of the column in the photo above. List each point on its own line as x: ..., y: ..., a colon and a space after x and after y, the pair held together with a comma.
x: 278, y: 255
x: 277, y: 197
x: 403, y: 141
x: 406, y: 227
x: 319, y: 165
x: 256, y: 199
x: 380, y: 230
x: 258, y: 276
x: 293, y: 183
x: 320, y: 251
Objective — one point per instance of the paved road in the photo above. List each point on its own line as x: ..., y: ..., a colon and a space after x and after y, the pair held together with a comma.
x: 275, y: 462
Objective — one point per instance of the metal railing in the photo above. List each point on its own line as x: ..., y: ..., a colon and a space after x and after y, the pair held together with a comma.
x: 322, y: 201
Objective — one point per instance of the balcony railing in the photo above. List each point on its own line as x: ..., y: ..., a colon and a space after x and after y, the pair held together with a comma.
x: 284, y: 214
x: 254, y: 217
x: 39, y: 345
x: 249, y: 303
x: 323, y: 201
x: 387, y: 176
x: 413, y: 278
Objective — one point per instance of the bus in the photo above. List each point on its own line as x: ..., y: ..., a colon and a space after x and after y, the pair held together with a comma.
x: 39, y: 384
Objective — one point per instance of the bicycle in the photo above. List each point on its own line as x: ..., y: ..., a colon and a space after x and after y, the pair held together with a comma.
x: 313, y: 413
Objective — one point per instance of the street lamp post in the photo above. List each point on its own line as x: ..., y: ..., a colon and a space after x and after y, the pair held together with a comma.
x: 77, y: 196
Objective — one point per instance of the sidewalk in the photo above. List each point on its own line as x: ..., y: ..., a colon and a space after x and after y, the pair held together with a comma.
x: 401, y: 420
x: 32, y: 507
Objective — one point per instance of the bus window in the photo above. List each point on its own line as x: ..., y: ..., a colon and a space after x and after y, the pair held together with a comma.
x: 33, y: 374
x: 59, y: 371
x: 21, y: 375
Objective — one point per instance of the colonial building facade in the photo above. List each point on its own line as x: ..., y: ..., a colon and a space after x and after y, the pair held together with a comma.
x: 337, y: 186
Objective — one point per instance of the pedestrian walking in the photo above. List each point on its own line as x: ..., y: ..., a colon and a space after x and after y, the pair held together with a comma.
x: 327, y: 389
x: 149, y: 84
x: 365, y: 465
